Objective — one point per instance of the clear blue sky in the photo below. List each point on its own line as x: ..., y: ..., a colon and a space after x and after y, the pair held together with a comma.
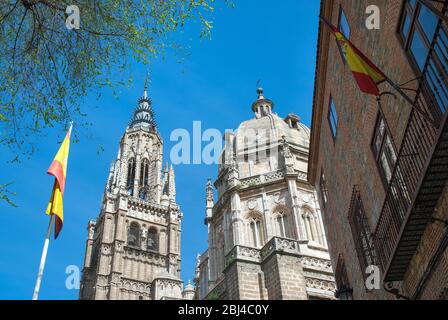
x: 216, y: 84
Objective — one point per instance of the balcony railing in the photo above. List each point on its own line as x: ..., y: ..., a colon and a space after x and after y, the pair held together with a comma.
x: 421, y: 170
x: 415, y: 149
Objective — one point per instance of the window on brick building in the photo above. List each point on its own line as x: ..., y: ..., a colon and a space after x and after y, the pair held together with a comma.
x: 425, y: 40
x: 344, y: 27
x: 417, y: 28
x: 333, y: 118
x: 344, y: 290
x: 384, y: 150
x: 343, y: 24
x: 362, y: 236
x: 323, y: 189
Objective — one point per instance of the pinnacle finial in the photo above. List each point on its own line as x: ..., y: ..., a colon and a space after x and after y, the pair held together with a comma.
x: 260, y: 93
x: 209, y: 190
x: 145, y: 92
x: 259, y: 89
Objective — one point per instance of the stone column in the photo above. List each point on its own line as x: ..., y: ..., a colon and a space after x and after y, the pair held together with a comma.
x: 212, y: 252
x: 237, y: 220
x: 138, y: 161
x: 321, y: 223
x: 270, y: 232
x: 299, y: 228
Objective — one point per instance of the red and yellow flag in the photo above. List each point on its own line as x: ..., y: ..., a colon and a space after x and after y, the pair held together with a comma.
x: 365, y: 72
x: 58, y: 169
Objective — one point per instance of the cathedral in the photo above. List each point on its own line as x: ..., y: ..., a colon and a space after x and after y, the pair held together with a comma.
x: 133, y: 247
x: 266, y: 238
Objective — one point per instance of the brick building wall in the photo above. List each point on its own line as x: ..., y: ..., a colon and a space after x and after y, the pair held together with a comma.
x: 286, y: 280
x: 248, y: 281
x: 348, y: 160
x: 437, y: 280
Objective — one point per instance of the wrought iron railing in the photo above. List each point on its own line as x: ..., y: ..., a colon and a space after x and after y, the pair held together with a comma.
x: 419, y: 138
x: 360, y: 227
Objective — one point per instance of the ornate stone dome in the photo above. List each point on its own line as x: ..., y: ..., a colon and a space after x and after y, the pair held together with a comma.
x: 290, y: 127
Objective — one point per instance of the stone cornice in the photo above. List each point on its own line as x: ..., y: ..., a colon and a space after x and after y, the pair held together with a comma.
x: 277, y: 245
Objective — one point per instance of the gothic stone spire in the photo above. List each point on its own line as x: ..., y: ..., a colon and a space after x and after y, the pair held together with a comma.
x: 144, y: 115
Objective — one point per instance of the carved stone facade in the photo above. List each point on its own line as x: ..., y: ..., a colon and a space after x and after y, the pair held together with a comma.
x: 133, y: 248
x: 266, y: 237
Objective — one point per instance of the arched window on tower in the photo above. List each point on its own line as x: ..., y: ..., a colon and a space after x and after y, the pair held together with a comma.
x: 281, y: 222
x: 131, y: 176
x: 134, y: 235
x: 144, y: 172
x: 143, y: 193
x: 312, y: 226
x: 256, y: 231
x: 152, y: 242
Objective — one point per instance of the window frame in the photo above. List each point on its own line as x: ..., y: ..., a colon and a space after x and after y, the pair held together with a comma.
x: 256, y: 230
x: 155, y: 246
x: 340, y: 15
x: 329, y: 117
x: 417, y: 29
x: 377, y: 154
x: 144, y: 173
x: 137, y: 237
x: 414, y: 25
x: 130, y: 177
x: 282, y: 222
x: 361, y: 233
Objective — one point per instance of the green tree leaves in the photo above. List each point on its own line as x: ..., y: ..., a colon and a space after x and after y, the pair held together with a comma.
x: 5, y: 194
x: 46, y: 69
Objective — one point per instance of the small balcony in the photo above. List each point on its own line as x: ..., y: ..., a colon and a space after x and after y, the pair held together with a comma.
x: 421, y: 171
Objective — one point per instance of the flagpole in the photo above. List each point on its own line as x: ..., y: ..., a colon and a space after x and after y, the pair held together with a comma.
x: 42, y: 260
x: 387, y: 79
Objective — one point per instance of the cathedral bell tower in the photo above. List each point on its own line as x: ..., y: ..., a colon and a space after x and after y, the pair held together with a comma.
x: 133, y: 247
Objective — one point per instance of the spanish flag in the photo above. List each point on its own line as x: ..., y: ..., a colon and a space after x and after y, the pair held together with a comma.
x: 58, y: 169
x: 366, y: 74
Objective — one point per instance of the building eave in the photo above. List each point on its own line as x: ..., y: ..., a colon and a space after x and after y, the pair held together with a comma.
x: 323, y: 45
